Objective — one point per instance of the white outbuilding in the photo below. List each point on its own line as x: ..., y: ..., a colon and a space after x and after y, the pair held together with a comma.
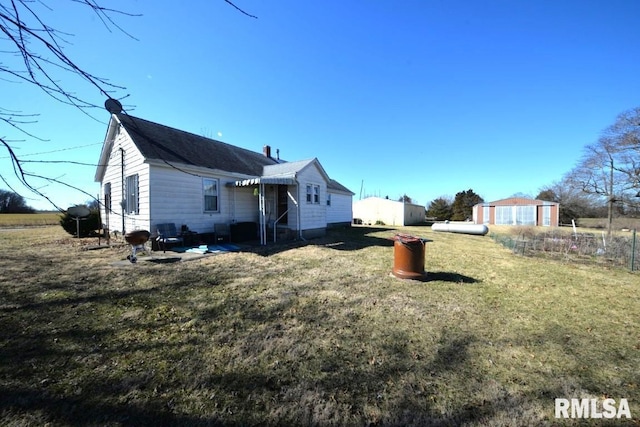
x: 376, y: 210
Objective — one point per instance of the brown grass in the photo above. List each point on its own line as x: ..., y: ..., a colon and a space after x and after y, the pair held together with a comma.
x: 29, y: 220
x: 315, y: 334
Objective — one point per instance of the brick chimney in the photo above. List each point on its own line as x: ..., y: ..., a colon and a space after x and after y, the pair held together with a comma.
x: 266, y: 150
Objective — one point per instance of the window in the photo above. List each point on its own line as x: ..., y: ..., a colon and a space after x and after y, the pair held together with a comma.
x: 504, y: 215
x: 546, y: 215
x: 210, y: 190
x: 328, y: 199
x: 309, y: 192
x: 313, y: 194
x: 525, y: 215
x: 132, y: 200
x: 107, y: 197
x: 486, y: 212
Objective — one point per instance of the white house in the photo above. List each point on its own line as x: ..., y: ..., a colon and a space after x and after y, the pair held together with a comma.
x: 372, y: 210
x: 152, y: 174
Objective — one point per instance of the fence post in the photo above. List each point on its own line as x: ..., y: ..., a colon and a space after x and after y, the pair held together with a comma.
x: 633, y: 249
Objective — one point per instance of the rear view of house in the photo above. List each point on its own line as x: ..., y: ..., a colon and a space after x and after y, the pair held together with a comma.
x: 152, y: 174
x: 517, y: 211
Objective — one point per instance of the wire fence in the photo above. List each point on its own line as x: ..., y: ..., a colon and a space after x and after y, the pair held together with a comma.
x: 619, y: 250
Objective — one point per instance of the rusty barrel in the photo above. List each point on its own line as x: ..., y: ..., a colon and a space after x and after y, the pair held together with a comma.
x: 408, y: 257
x: 137, y: 237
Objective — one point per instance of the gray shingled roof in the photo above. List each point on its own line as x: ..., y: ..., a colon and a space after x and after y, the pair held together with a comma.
x: 156, y: 141
x: 335, y: 185
x: 160, y: 142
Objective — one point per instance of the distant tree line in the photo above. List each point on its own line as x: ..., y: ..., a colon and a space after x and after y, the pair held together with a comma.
x: 458, y: 209
x: 11, y: 202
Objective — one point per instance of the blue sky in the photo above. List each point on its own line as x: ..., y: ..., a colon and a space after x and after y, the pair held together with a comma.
x: 426, y: 98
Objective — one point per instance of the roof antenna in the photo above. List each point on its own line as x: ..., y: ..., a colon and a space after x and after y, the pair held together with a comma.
x: 277, y: 154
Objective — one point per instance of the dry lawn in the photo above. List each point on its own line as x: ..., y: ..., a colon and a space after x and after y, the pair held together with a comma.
x: 316, y: 334
x: 37, y: 219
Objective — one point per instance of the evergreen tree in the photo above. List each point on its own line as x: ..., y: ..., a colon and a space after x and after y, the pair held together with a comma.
x: 440, y: 209
x: 463, y: 205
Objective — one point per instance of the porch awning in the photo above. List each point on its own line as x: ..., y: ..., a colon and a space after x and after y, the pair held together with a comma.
x: 271, y: 180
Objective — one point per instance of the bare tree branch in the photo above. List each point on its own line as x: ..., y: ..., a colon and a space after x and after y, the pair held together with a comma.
x: 43, y: 63
x: 240, y: 10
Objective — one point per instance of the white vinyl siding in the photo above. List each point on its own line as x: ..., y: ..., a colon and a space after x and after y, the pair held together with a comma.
x: 340, y: 210
x: 125, y: 161
x: 313, y: 214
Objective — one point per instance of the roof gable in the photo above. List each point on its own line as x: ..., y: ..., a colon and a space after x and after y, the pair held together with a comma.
x: 293, y: 168
x: 159, y: 142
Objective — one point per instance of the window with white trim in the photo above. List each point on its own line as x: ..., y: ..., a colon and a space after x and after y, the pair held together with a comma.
x: 309, y: 192
x: 526, y: 215
x: 486, y: 213
x: 211, y: 196
x: 328, y: 199
x: 504, y: 215
x: 132, y: 200
x: 546, y: 215
x: 107, y: 197
x: 316, y: 194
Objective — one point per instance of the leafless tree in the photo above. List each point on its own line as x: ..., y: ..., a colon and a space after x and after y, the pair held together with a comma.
x: 610, y: 169
x: 574, y: 203
x: 42, y: 62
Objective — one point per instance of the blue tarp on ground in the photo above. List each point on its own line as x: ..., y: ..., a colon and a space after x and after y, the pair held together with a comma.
x: 203, y: 249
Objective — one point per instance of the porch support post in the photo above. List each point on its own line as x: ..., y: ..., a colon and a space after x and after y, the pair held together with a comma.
x: 263, y: 225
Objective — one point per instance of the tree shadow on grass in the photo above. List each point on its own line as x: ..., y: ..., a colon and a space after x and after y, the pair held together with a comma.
x: 164, y: 260
x: 342, y: 239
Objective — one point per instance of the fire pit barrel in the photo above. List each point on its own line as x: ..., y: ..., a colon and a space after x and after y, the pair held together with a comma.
x: 408, y: 257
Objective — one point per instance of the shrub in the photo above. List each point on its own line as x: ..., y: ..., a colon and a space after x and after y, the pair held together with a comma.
x: 88, y: 225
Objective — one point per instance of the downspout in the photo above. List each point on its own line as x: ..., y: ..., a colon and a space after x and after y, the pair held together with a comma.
x: 263, y: 225
x: 298, y: 210
x: 122, y: 201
